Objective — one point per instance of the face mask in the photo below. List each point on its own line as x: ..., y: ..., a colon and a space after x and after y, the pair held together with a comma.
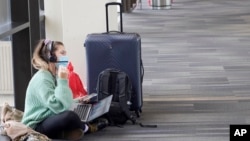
x: 62, y: 61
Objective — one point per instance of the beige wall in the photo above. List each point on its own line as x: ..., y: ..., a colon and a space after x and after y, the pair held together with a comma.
x: 71, y: 20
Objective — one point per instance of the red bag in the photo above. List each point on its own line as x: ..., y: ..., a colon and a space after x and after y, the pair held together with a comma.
x: 75, y: 83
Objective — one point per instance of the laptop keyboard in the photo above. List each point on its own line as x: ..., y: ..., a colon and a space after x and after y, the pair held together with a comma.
x: 83, y: 111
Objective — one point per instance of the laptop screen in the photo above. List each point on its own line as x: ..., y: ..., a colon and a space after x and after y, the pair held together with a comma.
x: 100, y: 108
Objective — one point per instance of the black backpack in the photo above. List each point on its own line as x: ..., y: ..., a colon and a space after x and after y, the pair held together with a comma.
x: 117, y: 83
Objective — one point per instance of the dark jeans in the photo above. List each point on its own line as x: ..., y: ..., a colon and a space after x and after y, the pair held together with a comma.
x: 54, y: 126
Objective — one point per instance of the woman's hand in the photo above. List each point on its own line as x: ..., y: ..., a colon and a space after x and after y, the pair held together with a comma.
x: 82, y: 99
x: 62, y: 72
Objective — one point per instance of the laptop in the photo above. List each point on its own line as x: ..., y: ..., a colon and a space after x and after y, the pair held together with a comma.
x: 89, y: 112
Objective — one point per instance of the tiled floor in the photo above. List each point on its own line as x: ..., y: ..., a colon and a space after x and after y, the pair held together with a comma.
x: 197, y: 72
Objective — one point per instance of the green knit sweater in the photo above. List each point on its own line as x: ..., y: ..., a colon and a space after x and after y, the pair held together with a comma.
x: 44, y: 98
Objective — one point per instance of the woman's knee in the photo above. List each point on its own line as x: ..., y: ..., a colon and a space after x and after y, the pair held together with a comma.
x: 70, y: 115
x: 72, y: 120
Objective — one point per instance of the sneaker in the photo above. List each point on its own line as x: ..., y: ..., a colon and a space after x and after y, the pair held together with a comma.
x: 73, y: 135
x: 99, y: 124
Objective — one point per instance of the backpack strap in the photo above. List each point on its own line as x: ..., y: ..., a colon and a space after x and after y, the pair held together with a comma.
x: 123, y: 99
x: 149, y: 126
x: 102, y: 84
x: 122, y: 96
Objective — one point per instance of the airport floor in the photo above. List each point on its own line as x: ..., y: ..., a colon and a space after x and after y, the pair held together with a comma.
x: 196, y: 57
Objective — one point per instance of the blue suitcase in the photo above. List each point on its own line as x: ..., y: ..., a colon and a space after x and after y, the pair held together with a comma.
x: 118, y: 50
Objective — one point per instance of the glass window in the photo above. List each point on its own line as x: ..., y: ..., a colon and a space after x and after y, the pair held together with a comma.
x: 5, y: 12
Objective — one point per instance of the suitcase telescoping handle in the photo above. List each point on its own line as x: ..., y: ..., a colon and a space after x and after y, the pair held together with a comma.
x: 107, y: 18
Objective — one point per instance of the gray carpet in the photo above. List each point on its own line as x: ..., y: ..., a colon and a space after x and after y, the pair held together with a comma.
x: 197, y: 71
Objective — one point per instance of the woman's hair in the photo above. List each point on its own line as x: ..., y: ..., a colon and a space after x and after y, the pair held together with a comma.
x: 44, y: 51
